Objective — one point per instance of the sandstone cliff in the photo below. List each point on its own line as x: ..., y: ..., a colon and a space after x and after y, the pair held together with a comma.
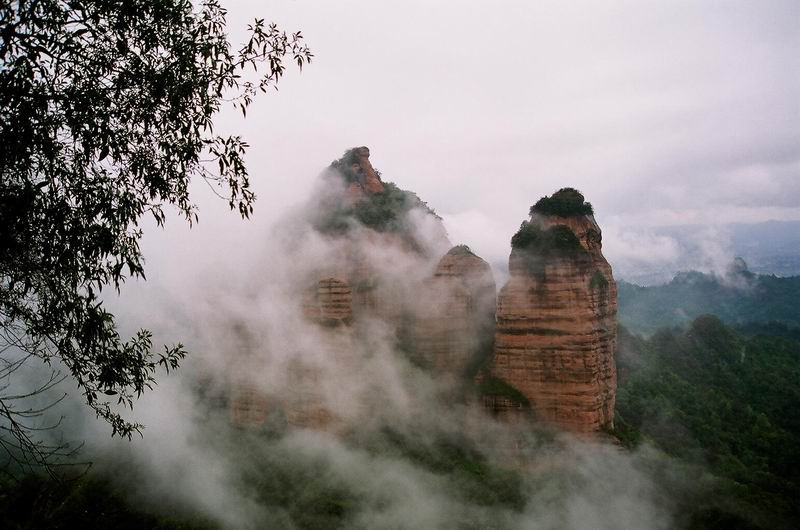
x: 330, y: 302
x: 455, y: 317
x: 556, y: 319
x: 544, y: 348
x: 354, y: 197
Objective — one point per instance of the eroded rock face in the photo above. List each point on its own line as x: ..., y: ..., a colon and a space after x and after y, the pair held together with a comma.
x: 249, y: 406
x: 368, y: 182
x: 557, y: 329
x: 371, y: 182
x: 331, y: 303
x: 304, y: 406
x: 456, y: 314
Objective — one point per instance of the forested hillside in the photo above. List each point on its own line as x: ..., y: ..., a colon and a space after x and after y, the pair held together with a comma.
x: 721, y: 401
x: 737, y: 298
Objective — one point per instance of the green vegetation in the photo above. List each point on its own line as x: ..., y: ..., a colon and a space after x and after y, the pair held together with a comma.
x: 293, y: 486
x: 566, y: 202
x: 556, y: 240
x: 344, y: 165
x: 461, y: 250
x: 711, y: 397
x: 386, y: 212
x: 472, y: 477
x: 90, y: 501
x: 494, y: 386
x: 737, y: 299
x: 108, y: 112
x: 598, y: 281
x: 383, y: 212
x: 723, y: 405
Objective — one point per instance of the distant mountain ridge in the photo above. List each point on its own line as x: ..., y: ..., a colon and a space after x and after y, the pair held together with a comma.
x: 738, y: 297
x: 769, y: 247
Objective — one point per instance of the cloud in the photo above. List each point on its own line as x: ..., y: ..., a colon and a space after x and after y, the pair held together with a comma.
x: 400, y: 449
x: 632, y: 249
x: 661, y: 113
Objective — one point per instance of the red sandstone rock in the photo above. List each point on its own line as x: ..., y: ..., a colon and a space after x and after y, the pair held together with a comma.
x: 248, y: 406
x: 557, y: 329
x: 330, y: 303
x: 355, y: 193
x: 456, y: 313
x: 304, y: 406
x: 372, y: 182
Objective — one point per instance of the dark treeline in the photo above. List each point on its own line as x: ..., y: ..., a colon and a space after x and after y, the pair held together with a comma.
x: 739, y: 298
x: 723, y: 400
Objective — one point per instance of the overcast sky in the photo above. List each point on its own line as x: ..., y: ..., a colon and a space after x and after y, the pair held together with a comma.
x: 670, y: 112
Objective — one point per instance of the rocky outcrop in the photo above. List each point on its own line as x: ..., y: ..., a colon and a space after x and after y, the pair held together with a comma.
x: 366, y: 181
x: 455, y: 314
x: 249, y: 407
x: 363, y: 168
x: 544, y: 348
x: 304, y: 406
x: 556, y: 323
x: 330, y: 303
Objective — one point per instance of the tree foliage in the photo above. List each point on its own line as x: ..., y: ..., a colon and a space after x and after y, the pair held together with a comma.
x: 712, y: 397
x: 566, y: 202
x: 108, y: 111
x: 557, y: 240
x: 735, y: 298
x: 386, y: 211
x: 494, y: 386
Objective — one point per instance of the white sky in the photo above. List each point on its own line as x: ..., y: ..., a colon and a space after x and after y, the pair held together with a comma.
x: 670, y: 112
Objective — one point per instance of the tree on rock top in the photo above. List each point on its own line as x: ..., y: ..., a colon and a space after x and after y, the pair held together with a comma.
x: 557, y: 240
x: 566, y: 202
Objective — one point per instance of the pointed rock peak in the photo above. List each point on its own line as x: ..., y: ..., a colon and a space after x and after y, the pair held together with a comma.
x: 553, y: 217
x: 461, y: 261
x: 357, y: 170
x: 461, y: 250
x: 738, y: 269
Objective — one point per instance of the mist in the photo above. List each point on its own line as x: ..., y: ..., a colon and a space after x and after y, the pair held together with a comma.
x: 272, y: 412
x: 661, y: 113
x: 481, y: 110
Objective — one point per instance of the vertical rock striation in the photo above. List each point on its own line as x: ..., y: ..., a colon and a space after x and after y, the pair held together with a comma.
x: 331, y: 303
x: 556, y: 318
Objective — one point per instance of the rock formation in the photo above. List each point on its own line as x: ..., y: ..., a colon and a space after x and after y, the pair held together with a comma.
x: 249, y: 407
x: 369, y: 179
x: 365, y: 181
x: 330, y: 303
x: 303, y: 404
x: 544, y: 348
x: 556, y: 320
x: 455, y: 323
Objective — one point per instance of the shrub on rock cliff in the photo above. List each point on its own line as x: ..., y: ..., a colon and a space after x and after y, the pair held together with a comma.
x: 494, y: 386
x: 383, y: 212
x: 557, y: 240
x: 461, y: 250
x: 566, y: 202
x: 598, y: 281
x: 344, y: 165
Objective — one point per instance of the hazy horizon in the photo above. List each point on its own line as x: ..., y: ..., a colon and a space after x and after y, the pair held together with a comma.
x: 660, y: 113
